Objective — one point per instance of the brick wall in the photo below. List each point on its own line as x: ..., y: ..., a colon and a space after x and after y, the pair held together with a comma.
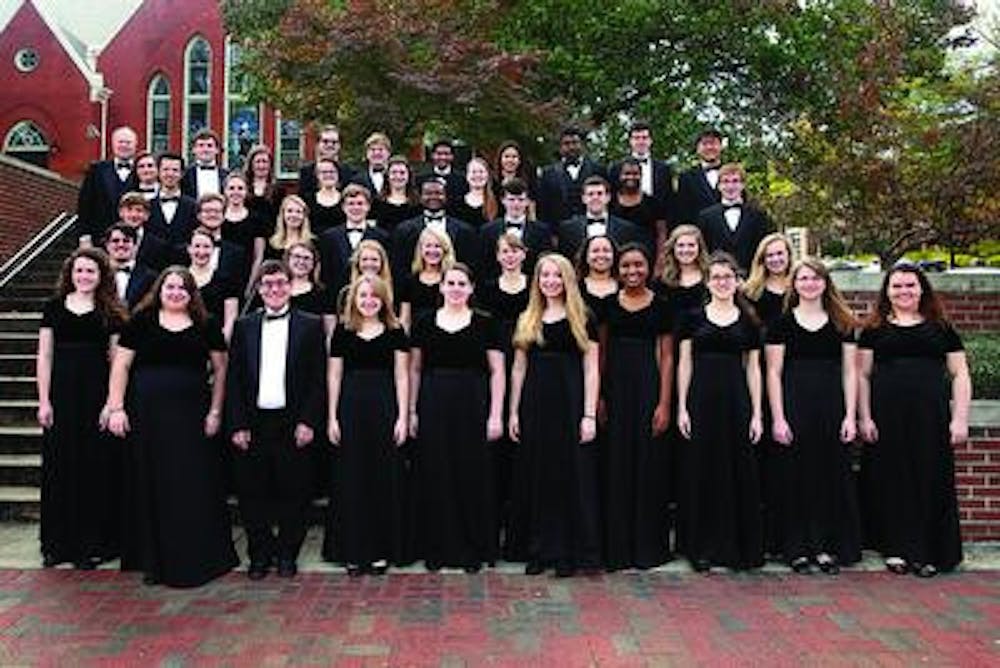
x: 29, y: 198
x: 969, y: 312
x: 977, y: 478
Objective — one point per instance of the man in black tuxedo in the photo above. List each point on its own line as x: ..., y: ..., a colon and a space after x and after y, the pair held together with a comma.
x: 150, y: 250
x: 103, y: 185
x: 597, y: 221
x: 732, y: 225
x: 697, y: 188
x: 133, y: 279
x: 275, y: 405
x: 657, y: 178
x: 228, y: 258
x: 337, y: 244
x: 205, y: 175
x: 327, y: 146
x: 171, y: 213
x: 560, y: 185
x: 463, y: 236
x: 535, y: 235
x: 443, y: 168
x: 371, y: 174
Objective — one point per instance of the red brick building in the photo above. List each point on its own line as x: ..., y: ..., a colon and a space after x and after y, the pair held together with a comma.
x: 168, y: 71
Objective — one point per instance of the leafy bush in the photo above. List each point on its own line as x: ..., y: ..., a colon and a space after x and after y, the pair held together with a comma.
x: 984, y: 364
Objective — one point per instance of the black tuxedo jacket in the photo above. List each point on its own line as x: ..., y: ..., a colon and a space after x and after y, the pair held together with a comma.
x: 233, y: 263
x: 305, y: 372
x: 464, y: 239
x: 97, y: 201
x: 536, y: 237
x: 694, y: 193
x: 139, y: 283
x: 362, y: 177
x: 308, y: 184
x: 663, y: 184
x: 573, y: 232
x: 741, y: 243
x: 175, y: 235
x: 559, y: 194
x: 189, y: 182
x: 335, y: 254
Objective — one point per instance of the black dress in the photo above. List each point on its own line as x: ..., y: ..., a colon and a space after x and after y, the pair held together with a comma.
x: 421, y: 297
x: 909, y: 474
x: 457, y: 526
x: 720, y: 491
x: 80, y: 465
x: 323, y: 218
x: 244, y: 233
x: 598, y: 305
x: 388, y: 216
x: 644, y: 214
x: 815, y: 501
x: 473, y: 215
x: 634, y: 470
x: 182, y: 532
x: 369, y: 488
x: 215, y: 293
x: 556, y: 474
x: 506, y: 307
x: 682, y: 301
x: 266, y: 208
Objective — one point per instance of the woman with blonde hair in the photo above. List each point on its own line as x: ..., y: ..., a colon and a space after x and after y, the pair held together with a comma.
x: 770, y: 277
x: 368, y: 385
x: 553, y: 413
x: 292, y: 226
x: 812, y: 389
x: 420, y: 292
x: 685, y: 268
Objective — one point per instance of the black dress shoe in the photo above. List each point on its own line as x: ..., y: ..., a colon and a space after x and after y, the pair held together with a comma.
x: 258, y: 570
x: 380, y: 569
x: 701, y: 565
x: 50, y: 561
x: 287, y: 568
x: 565, y: 569
x: 149, y: 580
x: 924, y: 570
x: 801, y: 566
x: 899, y: 567
x: 355, y: 570
x: 473, y: 568
x: 85, y: 565
x: 534, y: 568
x: 432, y: 566
x: 829, y: 566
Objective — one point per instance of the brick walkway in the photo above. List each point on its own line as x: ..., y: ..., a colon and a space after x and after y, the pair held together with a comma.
x: 63, y: 617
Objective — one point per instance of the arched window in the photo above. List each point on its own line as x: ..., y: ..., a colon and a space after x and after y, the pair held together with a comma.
x: 197, y: 88
x: 242, y: 117
x: 26, y: 141
x: 158, y: 115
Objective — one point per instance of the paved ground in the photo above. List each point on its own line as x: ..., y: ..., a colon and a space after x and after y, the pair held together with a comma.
x: 667, y: 617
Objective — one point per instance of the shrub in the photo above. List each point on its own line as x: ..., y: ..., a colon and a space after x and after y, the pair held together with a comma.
x: 984, y: 364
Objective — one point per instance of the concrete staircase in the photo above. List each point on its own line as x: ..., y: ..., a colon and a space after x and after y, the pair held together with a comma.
x: 21, y: 302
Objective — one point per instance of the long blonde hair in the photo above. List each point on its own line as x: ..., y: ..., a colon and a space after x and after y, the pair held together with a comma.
x: 529, y: 325
x: 387, y: 314
x: 754, y: 285
x: 834, y: 304
x: 279, y: 239
x: 672, y: 270
x: 447, y: 251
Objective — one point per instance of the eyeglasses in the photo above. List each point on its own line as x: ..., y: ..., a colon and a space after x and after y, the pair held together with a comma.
x: 273, y: 284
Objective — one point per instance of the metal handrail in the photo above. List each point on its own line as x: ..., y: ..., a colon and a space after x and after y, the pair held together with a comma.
x: 35, y: 246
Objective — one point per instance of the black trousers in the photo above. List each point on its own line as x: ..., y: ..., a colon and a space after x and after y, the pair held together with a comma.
x: 273, y: 478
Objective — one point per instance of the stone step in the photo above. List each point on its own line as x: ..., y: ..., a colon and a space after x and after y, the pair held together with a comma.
x: 18, y: 387
x: 22, y: 304
x: 21, y: 469
x: 18, y: 412
x: 35, y: 289
x: 20, y: 503
x: 20, y: 322
x: 18, y: 343
x: 17, y: 365
x: 21, y: 439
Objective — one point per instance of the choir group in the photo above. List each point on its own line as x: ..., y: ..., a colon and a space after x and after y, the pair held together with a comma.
x: 576, y: 368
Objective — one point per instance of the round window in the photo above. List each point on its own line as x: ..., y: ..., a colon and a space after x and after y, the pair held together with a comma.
x: 26, y: 60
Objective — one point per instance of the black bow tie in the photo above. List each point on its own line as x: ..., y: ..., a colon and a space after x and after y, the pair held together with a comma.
x: 519, y: 224
x: 597, y: 221
x: 732, y: 205
x: 147, y: 189
x: 170, y: 198
x: 206, y: 167
x: 710, y: 168
x: 276, y: 316
x: 378, y: 169
x: 123, y: 164
x: 358, y: 230
x: 571, y: 162
x: 642, y: 161
x: 434, y: 215
x: 125, y: 269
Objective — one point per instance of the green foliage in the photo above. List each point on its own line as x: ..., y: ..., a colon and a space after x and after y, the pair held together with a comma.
x: 983, y: 351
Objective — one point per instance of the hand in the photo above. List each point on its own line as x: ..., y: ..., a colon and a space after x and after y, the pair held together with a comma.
x: 869, y: 432
x: 661, y: 419
x: 399, y: 431
x: 684, y: 423
x: 494, y: 428
x: 118, y: 423
x: 848, y: 430
x: 781, y: 432
x: 212, y: 423
x: 588, y: 429
x: 514, y: 428
x: 102, y: 418
x: 756, y: 429
x: 45, y: 414
x: 241, y: 439
x: 333, y: 431
x: 304, y: 435
x: 414, y: 425
x: 959, y: 430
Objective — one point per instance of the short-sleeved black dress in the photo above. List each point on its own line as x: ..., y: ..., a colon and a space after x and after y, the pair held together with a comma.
x: 323, y: 218
x: 215, y: 293
x: 389, y: 215
x: 80, y: 465
x: 181, y: 528
x: 457, y: 525
x: 909, y: 474
x: 245, y: 233
x: 369, y: 488
x: 634, y: 470
x: 423, y: 298
x: 557, y: 475
x: 720, y: 490
x: 815, y: 503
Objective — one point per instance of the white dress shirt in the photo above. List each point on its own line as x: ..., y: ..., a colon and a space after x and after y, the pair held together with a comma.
x: 208, y: 180
x: 273, y: 355
x: 733, y: 213
x: 646, y: 163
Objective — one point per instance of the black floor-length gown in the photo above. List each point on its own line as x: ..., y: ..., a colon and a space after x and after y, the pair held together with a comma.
x: 457, y: 525
x: 634, y: 465
x: 81, y: 465
x: 909, y: 473
x: 720, y: 490
x: 558, y: 474
x: 182, y: 535
x: 388, y: 215
x: 369, y: 488
x: 505, y: 307
x: 244, y: 233
x: 815, y: 504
